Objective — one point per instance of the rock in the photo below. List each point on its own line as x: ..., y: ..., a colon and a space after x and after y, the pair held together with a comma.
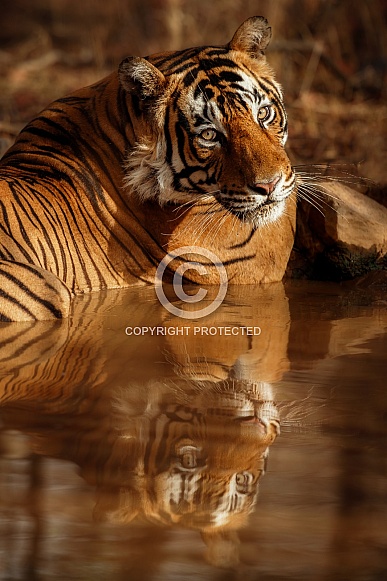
x: 342, y: 234
x: 377, y: 193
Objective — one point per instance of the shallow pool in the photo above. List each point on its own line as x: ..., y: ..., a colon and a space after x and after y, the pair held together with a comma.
x: 249, y: 444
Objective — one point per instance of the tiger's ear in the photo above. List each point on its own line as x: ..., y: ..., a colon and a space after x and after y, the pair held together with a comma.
x: 138, y: 75
x: 252, y: 36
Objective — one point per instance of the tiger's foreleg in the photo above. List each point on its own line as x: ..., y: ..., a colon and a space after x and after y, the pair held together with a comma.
x: 28, y: 292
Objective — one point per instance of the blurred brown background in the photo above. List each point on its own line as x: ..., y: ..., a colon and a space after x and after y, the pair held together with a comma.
x: 329, y: 55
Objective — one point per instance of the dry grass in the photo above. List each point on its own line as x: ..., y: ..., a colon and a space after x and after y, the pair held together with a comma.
x: 330, y: 56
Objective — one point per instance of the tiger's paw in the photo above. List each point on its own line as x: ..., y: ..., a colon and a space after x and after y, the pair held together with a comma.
x: 29, y: 293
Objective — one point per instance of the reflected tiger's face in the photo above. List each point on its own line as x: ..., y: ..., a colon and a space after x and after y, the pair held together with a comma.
x: 201, y: 464
x: 214, y: 128
x: 205, y: 474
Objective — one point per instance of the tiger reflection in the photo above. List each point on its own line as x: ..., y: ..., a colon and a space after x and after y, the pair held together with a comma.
x: 183, y: 443
x: 198, y: 466
x: 175, y: 453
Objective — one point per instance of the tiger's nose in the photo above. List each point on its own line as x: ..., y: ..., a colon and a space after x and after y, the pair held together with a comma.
x: 265, y: 188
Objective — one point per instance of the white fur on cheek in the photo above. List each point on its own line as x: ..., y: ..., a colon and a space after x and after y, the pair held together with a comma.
x: 147, y: 175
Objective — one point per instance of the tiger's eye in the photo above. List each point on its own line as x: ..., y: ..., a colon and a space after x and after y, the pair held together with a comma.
x: 188, y: 456
x: 243, y: 482
x: 241, y: 478
x: 189, y: 460
x: 264, y: 113
x: 209, y: 134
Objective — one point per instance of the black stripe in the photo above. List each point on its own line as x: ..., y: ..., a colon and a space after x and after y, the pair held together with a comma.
x: 49, y: 306
x: 191, y: 76
x: 11, y: 299
x: 168, y: 139
x: 171, y: 63
x: 216, y: 51
x: 244, y: 242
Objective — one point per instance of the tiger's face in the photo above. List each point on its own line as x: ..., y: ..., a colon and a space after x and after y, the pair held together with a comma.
x: 206, y: 474
x: 214, y: 128
x: 202, y: 461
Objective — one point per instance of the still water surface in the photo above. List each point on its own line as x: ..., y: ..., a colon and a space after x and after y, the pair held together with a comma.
x: 136, y: 457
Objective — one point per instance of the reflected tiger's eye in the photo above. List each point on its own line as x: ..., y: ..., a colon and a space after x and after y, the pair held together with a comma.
x: 264, y: 113
x: 209, y: 135
x: 189, y: 457
x: 243, y: 482
x: 189, y: 460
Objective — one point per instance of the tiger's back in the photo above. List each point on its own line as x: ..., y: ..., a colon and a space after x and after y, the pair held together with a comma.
x: 179, y: 149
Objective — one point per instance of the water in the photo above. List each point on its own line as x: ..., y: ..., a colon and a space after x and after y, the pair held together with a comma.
x: 127, y: 455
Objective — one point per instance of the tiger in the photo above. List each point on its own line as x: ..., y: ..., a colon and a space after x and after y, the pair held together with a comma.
x: 171, y: 150
x: 201, y: 465
x: 192, y: 458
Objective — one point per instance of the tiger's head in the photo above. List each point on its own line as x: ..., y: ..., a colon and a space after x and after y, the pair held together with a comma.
x: 213, y: 128
x: 200, y: 466
x: 207, y: 473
